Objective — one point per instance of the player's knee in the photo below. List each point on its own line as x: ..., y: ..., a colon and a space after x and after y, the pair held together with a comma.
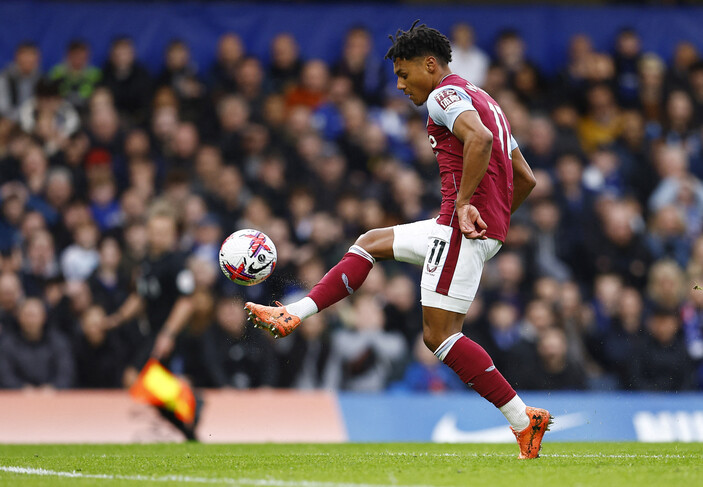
x: 432, y: 339
x: 367, y: 240
x: 376, y: 242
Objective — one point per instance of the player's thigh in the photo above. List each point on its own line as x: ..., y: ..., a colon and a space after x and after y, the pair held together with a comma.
x: 377, y: 242
x: 453, y: 268
x: 411, y: 239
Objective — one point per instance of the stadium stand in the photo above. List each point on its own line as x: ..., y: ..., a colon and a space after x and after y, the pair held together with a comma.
x: 595, y: 283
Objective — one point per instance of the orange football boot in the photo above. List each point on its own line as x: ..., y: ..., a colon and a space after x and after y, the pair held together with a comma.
x: 530, y: 439
x: 275, y: 319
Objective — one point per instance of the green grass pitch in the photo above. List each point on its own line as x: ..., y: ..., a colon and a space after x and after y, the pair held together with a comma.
x: 351, y: 465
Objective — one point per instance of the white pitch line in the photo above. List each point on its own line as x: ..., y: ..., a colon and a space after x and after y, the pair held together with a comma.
x: 624, y: 455
x: 188, y: 480
x: 546, y: 455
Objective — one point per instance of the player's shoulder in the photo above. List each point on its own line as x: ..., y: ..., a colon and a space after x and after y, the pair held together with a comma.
x: 455, y: 89
x: 170, y: 262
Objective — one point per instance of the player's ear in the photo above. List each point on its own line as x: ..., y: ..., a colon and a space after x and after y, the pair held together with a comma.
x: 430, y: 64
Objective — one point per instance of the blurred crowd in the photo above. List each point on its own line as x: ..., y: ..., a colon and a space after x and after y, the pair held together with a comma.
x: 105, y: 168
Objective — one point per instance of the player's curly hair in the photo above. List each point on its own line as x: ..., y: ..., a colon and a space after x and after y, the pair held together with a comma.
x: 420, y: 40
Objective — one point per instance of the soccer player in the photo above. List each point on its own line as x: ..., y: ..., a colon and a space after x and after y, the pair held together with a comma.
x: 484, y: 179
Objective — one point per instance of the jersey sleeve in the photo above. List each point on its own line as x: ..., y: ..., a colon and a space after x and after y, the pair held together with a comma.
x: 513, y: 143
x: 184, y: 279
x: 185, y: 282
x: 447, y: 103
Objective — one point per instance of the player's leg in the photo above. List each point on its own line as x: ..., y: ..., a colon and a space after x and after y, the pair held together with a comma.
x: 449, y: 283
x: 406, y: 243
x: 442, y: 334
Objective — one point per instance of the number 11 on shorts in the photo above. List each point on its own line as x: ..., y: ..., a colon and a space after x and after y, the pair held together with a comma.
x: 435, y: 256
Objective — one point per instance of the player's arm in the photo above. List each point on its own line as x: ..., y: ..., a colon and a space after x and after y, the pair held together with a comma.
x: 129, y: 309
x: 176, y: 321
x: 178, y: 317
x: 523, y: 179
x: 478, y: 141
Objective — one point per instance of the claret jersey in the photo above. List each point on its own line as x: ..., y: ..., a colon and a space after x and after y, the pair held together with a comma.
x: 494, y: 195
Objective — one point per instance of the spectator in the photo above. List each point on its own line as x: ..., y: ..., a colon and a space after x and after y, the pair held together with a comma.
x: 48, y: 116
x: 510, y: 50
x: 661, y: 361
x: 627, y: 57
x: 401, y: 308
x: 223, y: 74
x: 75, y: 77
x: 666, y: 286
x: 558, y: 370
x: 180, y: 74
x: 40, y: 264
x: 59, y: 188
x: 251, y: 85
x: 312, y: 89
x: 360, y: 65
x: 604, y: 175
x: 685, y: 55
x: 233, y: 112
x: 573, y: 78
x: 364, y: 357
x: 19, y: 80
x: 602, y: 123
x: 468, y: 60
x: 692, y: 323
x: 695, y: 80
x: 546, y: 216
x: 500, y: 335
x: 11, y: 295
x: 679, y: 119
x: 678, y: 187
x: 576, y: 204
x: 667, y: 236
x: 36, y: 356
x: 80, y: 259
x: 302, y: 361
x: 13, y: 210
x: 651, y: 90
x: 540, y: 148
x: 128, y: 81
x: 104, y: 206
x: 632, y: 149
x: 426, y: 373
x: 622, y: 339
x: 286, y: 65
x: 100, y: 357
x: 236, y: 355
x: 695, y: 263
x: 621, y: 250
x: 109, y: 283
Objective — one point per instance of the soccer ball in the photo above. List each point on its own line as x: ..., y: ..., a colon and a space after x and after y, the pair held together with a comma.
x: 247, y: 257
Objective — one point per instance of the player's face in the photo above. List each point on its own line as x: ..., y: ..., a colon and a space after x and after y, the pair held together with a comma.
x: 414, y: 78
x: 162, y: 234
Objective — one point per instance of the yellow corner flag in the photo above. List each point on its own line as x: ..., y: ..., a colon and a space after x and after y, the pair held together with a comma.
x: 157, y: 386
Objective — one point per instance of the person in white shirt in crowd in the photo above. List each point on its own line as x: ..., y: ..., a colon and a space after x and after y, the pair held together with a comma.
x: 468, y: 60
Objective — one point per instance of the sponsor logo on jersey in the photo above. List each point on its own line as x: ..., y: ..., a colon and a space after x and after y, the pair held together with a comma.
x: 446, y: 97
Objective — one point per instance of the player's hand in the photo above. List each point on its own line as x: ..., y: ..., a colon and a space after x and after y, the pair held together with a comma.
x: 111, y: 321
x: 470, y: 222
x: 163, y: 346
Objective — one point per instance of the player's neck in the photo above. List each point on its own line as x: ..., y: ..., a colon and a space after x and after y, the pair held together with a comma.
x: 441, y: 74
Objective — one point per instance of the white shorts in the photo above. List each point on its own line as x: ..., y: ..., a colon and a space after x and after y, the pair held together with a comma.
x: 451, y: 264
